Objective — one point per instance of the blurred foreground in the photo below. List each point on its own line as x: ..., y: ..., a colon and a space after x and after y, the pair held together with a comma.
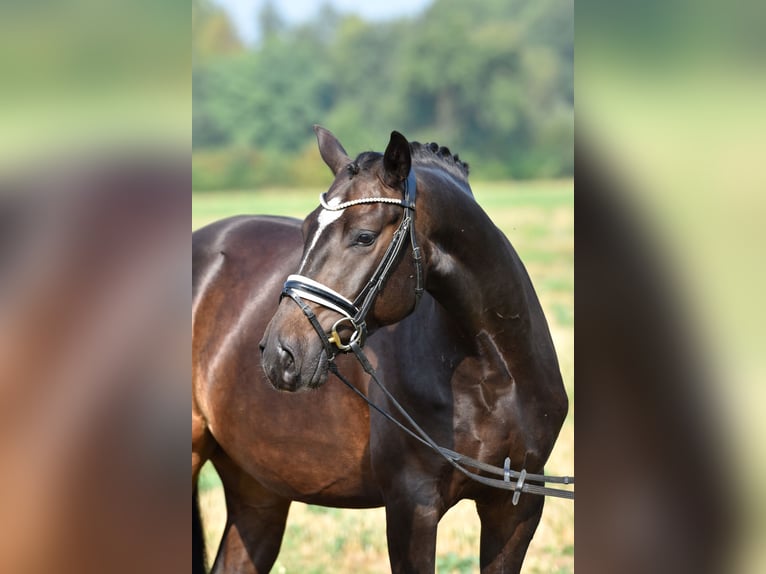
x: 94, y: 349
x: 94, y: 294
x: 670, y: 203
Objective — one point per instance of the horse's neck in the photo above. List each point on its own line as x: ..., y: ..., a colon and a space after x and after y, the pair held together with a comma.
x: 478, y: 277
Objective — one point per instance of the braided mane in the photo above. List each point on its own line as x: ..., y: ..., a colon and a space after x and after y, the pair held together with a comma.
x: 423, y: 154
x: 433, y: 153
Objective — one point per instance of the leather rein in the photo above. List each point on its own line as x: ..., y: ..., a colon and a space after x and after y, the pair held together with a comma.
x: 300, y: 288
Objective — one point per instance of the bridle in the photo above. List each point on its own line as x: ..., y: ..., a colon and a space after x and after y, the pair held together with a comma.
x: 300, y: 288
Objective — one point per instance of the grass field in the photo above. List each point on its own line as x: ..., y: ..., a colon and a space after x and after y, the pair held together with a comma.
x: 538, y: 217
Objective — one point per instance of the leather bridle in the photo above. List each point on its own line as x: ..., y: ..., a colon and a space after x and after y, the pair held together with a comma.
x: 300, y: 288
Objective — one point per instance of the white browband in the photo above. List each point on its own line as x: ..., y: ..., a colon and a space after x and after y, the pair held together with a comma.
x: 345, y: 204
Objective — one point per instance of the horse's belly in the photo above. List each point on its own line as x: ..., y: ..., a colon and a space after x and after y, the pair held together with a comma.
x: 314, y: 479
x: 312, y: 447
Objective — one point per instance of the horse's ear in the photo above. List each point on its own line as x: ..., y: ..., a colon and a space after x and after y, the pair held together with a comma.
x: 331, y: 151
x: 397, y: 160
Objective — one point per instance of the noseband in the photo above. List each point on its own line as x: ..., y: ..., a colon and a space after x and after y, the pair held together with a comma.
x: 300, y: 288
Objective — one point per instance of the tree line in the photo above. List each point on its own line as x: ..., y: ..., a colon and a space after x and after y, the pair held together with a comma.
x: 490, y: 79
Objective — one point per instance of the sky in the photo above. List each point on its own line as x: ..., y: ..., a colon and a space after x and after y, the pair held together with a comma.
x: 243, y: 12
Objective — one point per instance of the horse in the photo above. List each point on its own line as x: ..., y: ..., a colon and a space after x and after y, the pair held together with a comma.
x: 452, y: 325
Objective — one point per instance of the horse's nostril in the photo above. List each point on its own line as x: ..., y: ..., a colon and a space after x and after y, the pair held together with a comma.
x: 286, y: 361
x: 285, y: 356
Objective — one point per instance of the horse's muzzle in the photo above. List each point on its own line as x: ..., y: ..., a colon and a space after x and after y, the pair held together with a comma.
x: 289, y: 368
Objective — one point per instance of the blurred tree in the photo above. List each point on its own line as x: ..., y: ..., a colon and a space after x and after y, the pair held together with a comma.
x: 492, y: 79
x: 270, y: 21
x: 212, y: 32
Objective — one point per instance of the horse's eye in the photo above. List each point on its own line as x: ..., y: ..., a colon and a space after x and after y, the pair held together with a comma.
x: 365, y: 238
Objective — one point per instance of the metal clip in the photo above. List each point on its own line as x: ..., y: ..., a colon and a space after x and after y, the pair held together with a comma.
x: 507, y: 469
x: 519, y: 486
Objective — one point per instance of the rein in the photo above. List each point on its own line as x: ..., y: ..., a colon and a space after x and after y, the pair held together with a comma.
x: 457, y: 460
x: 299, y: 287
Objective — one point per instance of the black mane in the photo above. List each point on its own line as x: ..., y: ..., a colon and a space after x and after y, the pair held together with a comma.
x: 434, y: 153
x: 428, y: 153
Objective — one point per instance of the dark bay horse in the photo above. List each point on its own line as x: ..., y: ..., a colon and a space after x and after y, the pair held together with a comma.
x: 472, y: 361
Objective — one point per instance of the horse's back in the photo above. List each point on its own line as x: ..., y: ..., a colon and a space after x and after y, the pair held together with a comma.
x: 263, y: 240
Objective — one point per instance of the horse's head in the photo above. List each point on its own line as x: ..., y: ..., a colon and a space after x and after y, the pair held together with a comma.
x: 359, y: 240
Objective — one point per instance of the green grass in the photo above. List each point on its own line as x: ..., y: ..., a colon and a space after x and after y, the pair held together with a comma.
x: 211, y: 206
x: 538, y: 218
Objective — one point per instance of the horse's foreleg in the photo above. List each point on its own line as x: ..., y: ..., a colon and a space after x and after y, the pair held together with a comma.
x: 506, y: 531
x: 412, y: 516
x: 255, y: 523
x: 252, y: 538
x: 411, y: 534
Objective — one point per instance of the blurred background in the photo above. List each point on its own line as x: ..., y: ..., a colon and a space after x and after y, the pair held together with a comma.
x: 86, y: 73
x: 95, y: 186
x: 671, y: 198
